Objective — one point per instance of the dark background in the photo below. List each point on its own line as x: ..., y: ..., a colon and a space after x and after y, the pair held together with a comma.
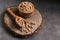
x: 51, y: 20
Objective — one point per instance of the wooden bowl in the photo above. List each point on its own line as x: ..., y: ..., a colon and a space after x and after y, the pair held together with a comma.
x: 26, y: 9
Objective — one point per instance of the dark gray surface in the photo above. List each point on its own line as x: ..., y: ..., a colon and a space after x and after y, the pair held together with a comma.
x: 51, y: 21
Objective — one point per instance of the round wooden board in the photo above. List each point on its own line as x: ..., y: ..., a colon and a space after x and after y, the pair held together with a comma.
x: 36, y: 18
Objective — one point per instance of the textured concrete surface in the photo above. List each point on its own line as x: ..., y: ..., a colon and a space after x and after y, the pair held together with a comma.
x: 51, y: 20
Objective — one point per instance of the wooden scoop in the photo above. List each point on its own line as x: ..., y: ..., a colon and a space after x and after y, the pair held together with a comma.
x: 21, y: 22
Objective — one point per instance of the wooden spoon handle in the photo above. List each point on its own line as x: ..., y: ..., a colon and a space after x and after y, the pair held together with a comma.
x: 11, y: 12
